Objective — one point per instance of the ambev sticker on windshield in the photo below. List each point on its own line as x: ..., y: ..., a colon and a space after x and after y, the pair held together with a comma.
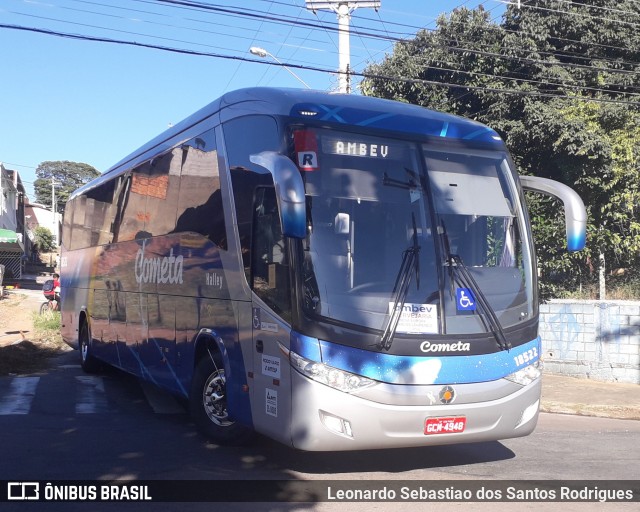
x: 417, y: 318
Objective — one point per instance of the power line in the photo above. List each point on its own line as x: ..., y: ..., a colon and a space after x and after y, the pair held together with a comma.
x: 360, y: 33
x: 427, y: 62
x: 599, y: 18
x: 190, y: 5
x: 520, y: 32
x: 318, y: 69
x: 445, y: 47
x: 207, y: 7
x: 214, y: 7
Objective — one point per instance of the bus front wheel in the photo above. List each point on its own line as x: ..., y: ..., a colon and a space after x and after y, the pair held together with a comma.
x: 208, y: 404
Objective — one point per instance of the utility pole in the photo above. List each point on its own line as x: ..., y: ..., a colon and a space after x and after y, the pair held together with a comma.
x: 53, y: 209
x: 343, y: 9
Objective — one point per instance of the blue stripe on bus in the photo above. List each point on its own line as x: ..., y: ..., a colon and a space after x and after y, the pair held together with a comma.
x: 178, y: 387
x: 238, y: 400
x: 478, y: 133
x: 305, y: 346
x: 403, y: 118
x: 375, y: 119
x: 414, y: 370
x: 144, y: 374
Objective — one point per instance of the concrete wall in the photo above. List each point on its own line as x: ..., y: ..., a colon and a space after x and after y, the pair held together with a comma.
x: 598, y: 340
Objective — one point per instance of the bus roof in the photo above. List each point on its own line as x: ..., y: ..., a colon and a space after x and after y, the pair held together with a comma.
x: 353, y: 110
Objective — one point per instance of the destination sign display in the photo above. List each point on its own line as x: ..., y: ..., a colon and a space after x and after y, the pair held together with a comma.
x: 362, y: 147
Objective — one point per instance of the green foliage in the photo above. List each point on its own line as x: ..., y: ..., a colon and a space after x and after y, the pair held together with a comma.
x: 68, y: 176
x: 568, y: 117
x: 44, y: 239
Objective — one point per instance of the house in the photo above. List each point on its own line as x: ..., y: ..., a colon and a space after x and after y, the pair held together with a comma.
x: 12, y: 228
x: 37, y: 214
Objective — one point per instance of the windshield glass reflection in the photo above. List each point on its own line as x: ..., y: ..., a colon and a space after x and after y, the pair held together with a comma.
x: 370, y: 200
x: 363, y: 199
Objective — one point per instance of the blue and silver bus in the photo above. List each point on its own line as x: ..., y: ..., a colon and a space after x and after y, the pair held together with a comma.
x: 334, y: 272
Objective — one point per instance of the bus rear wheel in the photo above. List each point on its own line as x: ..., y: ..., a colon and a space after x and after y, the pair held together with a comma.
x: 89, y: 363
x: 208, y: 404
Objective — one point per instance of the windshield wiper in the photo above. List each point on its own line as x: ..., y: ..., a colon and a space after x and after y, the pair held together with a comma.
x: 411, y: 184
x: 410, y: 264
x: 461, y: 271
x: 468, y: 281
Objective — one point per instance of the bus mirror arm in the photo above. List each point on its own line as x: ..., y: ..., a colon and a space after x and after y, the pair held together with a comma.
x: 574, y: 210
x: 289, y: 191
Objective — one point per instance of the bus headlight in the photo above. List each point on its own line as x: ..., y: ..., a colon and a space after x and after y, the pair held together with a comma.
x: 527, y: 375
x: 330, y: 376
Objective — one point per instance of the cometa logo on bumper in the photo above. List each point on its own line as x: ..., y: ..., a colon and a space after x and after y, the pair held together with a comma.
x: 167, y: 269
x: 458, y: 346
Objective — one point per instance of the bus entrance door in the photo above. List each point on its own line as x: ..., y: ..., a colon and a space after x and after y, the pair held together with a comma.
x: 271, y: 394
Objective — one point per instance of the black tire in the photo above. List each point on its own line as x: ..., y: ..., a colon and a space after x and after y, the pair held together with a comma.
x: 44, y: 307
x: 208, y: 404
x: 89, y: 363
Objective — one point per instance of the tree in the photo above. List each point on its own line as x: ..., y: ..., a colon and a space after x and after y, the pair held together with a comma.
x: 44, y: 239
x: 558, y: 81
x: 68, y: 176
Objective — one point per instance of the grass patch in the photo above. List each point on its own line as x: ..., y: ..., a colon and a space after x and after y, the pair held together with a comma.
x: 46, y: 322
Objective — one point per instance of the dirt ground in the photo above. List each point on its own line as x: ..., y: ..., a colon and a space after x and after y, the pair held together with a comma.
x: 23, y: 348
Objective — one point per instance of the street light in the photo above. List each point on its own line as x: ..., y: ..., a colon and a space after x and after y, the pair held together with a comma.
x: 261, y: 52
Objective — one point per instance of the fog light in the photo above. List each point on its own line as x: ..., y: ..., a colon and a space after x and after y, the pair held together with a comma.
x: 528, y: 413
x: 335, y: 424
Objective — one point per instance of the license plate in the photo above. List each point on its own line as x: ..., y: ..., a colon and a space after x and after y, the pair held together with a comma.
x: 444, y: 425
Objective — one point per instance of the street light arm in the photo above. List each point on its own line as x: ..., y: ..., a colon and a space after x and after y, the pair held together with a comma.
x: 261, y: 52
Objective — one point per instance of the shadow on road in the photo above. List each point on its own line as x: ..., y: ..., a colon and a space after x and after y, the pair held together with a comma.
x: 387, y: 461
x: 27, y: 357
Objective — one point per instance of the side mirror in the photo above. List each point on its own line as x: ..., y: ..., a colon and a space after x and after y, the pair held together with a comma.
x: 574, y: 210
x: 289, y: 191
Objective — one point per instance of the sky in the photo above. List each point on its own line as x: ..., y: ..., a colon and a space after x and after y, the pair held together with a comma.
x: 95, y: 102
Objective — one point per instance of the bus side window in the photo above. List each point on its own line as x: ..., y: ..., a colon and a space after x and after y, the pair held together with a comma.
x: 246, y: 136
x: 270, y: 264
x: 98, y: 219
x: 148, y: 207
x: 74, y: 229
x: 162, y: 193
x: 66, y: 229
x: 200, y: 207
x: 134, y: 206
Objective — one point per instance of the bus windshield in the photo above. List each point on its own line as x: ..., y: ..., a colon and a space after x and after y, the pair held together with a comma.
x: 391, y: 224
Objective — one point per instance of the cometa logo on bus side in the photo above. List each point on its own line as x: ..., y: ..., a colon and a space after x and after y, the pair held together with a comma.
x: 160, y: 270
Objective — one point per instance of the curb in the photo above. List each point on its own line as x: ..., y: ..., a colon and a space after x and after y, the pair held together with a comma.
x: 601, y: 411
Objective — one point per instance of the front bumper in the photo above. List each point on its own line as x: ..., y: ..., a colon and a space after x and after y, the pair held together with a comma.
x: 325, y: 419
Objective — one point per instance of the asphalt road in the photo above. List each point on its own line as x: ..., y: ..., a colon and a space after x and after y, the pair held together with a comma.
x: 64, y: 425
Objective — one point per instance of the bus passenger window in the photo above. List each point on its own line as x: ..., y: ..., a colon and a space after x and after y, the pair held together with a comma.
x: 134, y: 206
x: 99, y: 214
x: 162, y: 193
x: 270, y: 264
x: 200, y: 207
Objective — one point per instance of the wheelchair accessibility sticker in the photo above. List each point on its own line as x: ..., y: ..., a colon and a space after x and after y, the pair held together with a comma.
x: 465, y: 301
x: 261, y: 325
